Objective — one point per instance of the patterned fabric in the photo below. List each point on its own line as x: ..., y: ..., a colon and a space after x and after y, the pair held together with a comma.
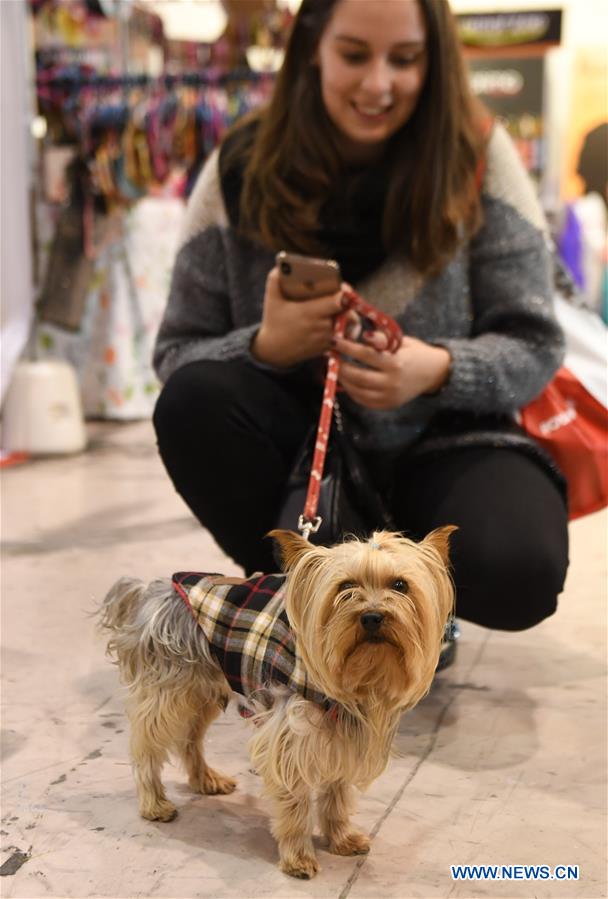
x: 125, y: 301
x: 249, y: 634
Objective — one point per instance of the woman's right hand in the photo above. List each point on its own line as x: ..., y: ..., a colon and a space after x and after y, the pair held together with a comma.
x: 293, y: 331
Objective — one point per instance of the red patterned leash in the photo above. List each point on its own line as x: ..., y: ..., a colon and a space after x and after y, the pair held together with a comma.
x: 309, y: 523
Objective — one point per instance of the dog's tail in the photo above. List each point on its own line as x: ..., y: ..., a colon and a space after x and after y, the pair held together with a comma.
x: 119, y: 608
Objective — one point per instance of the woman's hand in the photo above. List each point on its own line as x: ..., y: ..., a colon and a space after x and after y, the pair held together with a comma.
x: 392, y: 379
x: 294, y: 330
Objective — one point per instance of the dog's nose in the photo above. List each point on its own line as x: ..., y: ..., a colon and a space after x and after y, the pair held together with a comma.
x: 371, y: 621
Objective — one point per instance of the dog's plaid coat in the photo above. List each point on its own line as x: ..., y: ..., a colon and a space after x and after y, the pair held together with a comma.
x: 249, y: 634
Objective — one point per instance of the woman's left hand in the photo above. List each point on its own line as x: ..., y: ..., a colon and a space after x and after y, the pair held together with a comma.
x: 392, y: 379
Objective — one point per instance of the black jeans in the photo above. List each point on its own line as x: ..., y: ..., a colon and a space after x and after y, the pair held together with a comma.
x: 228, y: 433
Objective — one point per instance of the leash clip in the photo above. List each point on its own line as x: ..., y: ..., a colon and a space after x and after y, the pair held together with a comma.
x: 309, y: 527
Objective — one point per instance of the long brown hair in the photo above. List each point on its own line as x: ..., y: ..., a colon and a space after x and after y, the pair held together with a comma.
x: 432, y: 197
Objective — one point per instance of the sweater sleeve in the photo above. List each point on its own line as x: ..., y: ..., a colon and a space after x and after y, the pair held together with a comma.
x: 199, y: 320
x: 516, y: 344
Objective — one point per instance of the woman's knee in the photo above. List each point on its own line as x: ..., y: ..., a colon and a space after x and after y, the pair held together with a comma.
x: 223, y: 412
x: 510, y: 588
x: 195, y: 392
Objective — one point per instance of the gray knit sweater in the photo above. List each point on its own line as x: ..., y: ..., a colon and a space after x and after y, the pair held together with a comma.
x: 491, y: 307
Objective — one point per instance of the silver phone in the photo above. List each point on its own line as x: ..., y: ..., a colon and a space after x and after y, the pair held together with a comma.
x: 306, y: 277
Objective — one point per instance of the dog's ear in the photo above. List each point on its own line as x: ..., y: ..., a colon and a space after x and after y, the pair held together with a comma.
x: 291, y: 546
x: 440, y: 539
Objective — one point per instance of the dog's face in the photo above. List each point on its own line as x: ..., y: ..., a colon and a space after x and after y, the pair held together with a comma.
x: 369, y: 615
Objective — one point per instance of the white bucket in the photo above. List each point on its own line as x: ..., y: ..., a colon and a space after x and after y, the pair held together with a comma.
x: 42, y: 411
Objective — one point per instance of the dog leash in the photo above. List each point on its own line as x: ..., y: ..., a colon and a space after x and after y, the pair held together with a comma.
x: 309, y: 522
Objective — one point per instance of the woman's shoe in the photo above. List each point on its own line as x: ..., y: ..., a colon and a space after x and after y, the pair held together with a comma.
x: 449, y: 645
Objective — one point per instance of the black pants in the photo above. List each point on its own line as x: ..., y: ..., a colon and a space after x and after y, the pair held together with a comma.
x: 228, y: 434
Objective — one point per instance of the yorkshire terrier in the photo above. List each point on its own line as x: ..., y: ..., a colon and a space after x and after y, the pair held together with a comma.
x: 326, y: 656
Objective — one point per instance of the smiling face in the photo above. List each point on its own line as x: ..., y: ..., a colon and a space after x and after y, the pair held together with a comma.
x: 372, y: 63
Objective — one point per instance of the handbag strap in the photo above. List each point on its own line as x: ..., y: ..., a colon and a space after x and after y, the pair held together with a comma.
x: 309, y: 522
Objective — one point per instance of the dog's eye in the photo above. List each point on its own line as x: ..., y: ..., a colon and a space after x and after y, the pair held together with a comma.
x: 346, y: 585
x: 400, y: 586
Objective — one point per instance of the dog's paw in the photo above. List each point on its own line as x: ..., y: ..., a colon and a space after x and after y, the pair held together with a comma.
x: 159, y: 810
x: 214, y: 782
x: 302, y: 866
x: 353, y: 843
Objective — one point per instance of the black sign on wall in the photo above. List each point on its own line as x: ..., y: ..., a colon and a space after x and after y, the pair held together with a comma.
x: 510, y: 29
x: 512, y: 88
x: 509, y: 85
x: 505, y: 54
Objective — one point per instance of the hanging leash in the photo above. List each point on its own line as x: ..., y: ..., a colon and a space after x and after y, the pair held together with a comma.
x: 309, y: 522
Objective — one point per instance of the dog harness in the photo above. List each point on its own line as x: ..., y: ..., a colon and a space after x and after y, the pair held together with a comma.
x: 249, y: 634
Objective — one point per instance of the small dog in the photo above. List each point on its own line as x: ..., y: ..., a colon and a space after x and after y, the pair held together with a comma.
x: 362, y: 623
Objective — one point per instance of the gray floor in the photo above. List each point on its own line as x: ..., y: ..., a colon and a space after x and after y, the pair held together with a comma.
x: 504, y: 763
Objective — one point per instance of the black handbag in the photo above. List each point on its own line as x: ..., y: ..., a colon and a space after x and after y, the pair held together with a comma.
x: 348, y: 500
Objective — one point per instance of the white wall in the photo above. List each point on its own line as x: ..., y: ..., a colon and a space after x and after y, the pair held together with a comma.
x: 16, y: 291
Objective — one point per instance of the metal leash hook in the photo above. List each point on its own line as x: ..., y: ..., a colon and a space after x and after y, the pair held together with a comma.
x: 308, y: 527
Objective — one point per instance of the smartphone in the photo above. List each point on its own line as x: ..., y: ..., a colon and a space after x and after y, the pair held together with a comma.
x: 305, y: 277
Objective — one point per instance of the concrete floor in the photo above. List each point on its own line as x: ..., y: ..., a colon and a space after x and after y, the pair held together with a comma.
x: 504, y: 763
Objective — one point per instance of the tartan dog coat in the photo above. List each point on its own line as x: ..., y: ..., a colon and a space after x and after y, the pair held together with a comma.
x: 248, y: 632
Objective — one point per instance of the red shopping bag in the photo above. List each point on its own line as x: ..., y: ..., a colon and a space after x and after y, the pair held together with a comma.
x: 572, y: 425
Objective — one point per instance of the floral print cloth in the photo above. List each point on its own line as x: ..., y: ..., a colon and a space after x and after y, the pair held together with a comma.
x: 125, y: 303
